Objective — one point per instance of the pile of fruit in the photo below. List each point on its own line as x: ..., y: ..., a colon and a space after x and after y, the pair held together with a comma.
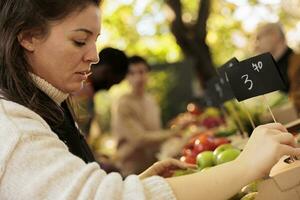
x: 204, y: 141
x: 208, y: 118
x: 200, y: 130
x: 195, y: 120
x: 222, y: 154
x: 212, y: 142
x: 208, y: 158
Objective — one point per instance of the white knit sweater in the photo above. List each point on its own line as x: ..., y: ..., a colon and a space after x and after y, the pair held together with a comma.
x: 36, y: 165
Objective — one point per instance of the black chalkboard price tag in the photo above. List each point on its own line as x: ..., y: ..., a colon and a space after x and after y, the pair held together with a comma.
x: 227, y: 91
x: 219, y: 89
x: 223, y: 79
x: 255, y: 76
x: 233, y: 62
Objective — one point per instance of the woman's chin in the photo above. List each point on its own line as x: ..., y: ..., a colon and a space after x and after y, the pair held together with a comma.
x: 73, y: 88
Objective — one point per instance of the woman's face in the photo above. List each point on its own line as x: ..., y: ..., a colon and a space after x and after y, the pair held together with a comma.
x: 64, y: 56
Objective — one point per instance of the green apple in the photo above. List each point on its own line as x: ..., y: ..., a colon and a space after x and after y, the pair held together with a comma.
x: 250, y: 196
x: 251, y: 187
x: 238, y: 196
x: 220, y: 149
x: 181, y: 172
x: 227, y: 155
x: 205, y: 169
x: 205, y: 159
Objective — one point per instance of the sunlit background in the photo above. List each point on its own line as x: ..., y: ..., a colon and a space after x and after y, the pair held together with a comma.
x: 143, y: 27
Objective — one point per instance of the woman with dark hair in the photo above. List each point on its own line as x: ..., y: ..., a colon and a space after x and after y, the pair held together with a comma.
x: 46, y: 50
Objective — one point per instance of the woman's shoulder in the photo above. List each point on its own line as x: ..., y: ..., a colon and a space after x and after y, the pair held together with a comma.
x: 20, y: 119
x: 16, y: 124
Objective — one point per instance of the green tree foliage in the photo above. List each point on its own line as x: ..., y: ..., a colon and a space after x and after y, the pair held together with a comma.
x: 143, y: 27
x: 139, y: 28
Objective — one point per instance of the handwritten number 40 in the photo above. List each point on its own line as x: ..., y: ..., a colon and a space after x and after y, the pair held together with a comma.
x: 247, y: 81
x: 257, y: 67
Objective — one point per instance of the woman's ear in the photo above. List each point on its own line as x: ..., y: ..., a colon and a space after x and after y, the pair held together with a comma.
x: 26, y: 40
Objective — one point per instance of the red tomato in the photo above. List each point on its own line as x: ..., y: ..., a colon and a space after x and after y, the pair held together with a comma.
x: 207, y: 142
x: 188, y: 159
x: 198, y: 149
x: 220, y: 141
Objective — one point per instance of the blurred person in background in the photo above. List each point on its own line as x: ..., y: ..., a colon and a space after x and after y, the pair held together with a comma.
x: 136, y: 122
x: 110, y: 70
x: 270, y: 37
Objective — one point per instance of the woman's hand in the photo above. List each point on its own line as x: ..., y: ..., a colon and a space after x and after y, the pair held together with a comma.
x: 265, y: 147
x: 165, y: 168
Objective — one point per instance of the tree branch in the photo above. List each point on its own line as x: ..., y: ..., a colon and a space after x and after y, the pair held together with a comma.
x: 191, y: 39
x: 176, y: 6
x: 200, y: 26
x: 178, y: 28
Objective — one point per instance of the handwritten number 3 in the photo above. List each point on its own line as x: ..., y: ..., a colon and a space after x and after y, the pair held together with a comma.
x: 247, y: 81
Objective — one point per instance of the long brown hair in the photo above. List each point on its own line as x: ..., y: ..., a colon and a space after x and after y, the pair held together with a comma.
x: 17, y: 16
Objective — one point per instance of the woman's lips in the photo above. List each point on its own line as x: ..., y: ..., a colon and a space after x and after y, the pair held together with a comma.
x: 84, y: 75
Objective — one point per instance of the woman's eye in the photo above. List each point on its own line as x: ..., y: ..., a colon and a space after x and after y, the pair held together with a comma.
x: 78, y: 43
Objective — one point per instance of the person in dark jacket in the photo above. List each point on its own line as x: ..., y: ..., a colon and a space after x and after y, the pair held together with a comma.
x: 270, y: 37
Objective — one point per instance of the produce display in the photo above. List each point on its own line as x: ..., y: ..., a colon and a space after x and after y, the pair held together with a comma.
x: 200, y: 130
x: 194, y: 117
x: 202, y: 142
x: 222, y: 154
x: 212, y: 140
x: 205, y: 130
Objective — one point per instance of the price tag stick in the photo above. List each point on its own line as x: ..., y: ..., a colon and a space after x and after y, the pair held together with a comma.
x: 266, y: 102
x: 226, y: 115
x: 239, y: 123
x: 248, y: 115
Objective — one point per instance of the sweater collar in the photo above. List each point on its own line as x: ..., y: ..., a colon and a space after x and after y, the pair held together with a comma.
x: 55, y: 94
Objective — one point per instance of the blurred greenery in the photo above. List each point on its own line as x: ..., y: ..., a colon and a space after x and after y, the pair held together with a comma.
x: 226, y: 37
x: 256, y: 107
x: 139, y: 29
x: 142, y: 27
x: 158, y: 87
x: 103, y: 101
